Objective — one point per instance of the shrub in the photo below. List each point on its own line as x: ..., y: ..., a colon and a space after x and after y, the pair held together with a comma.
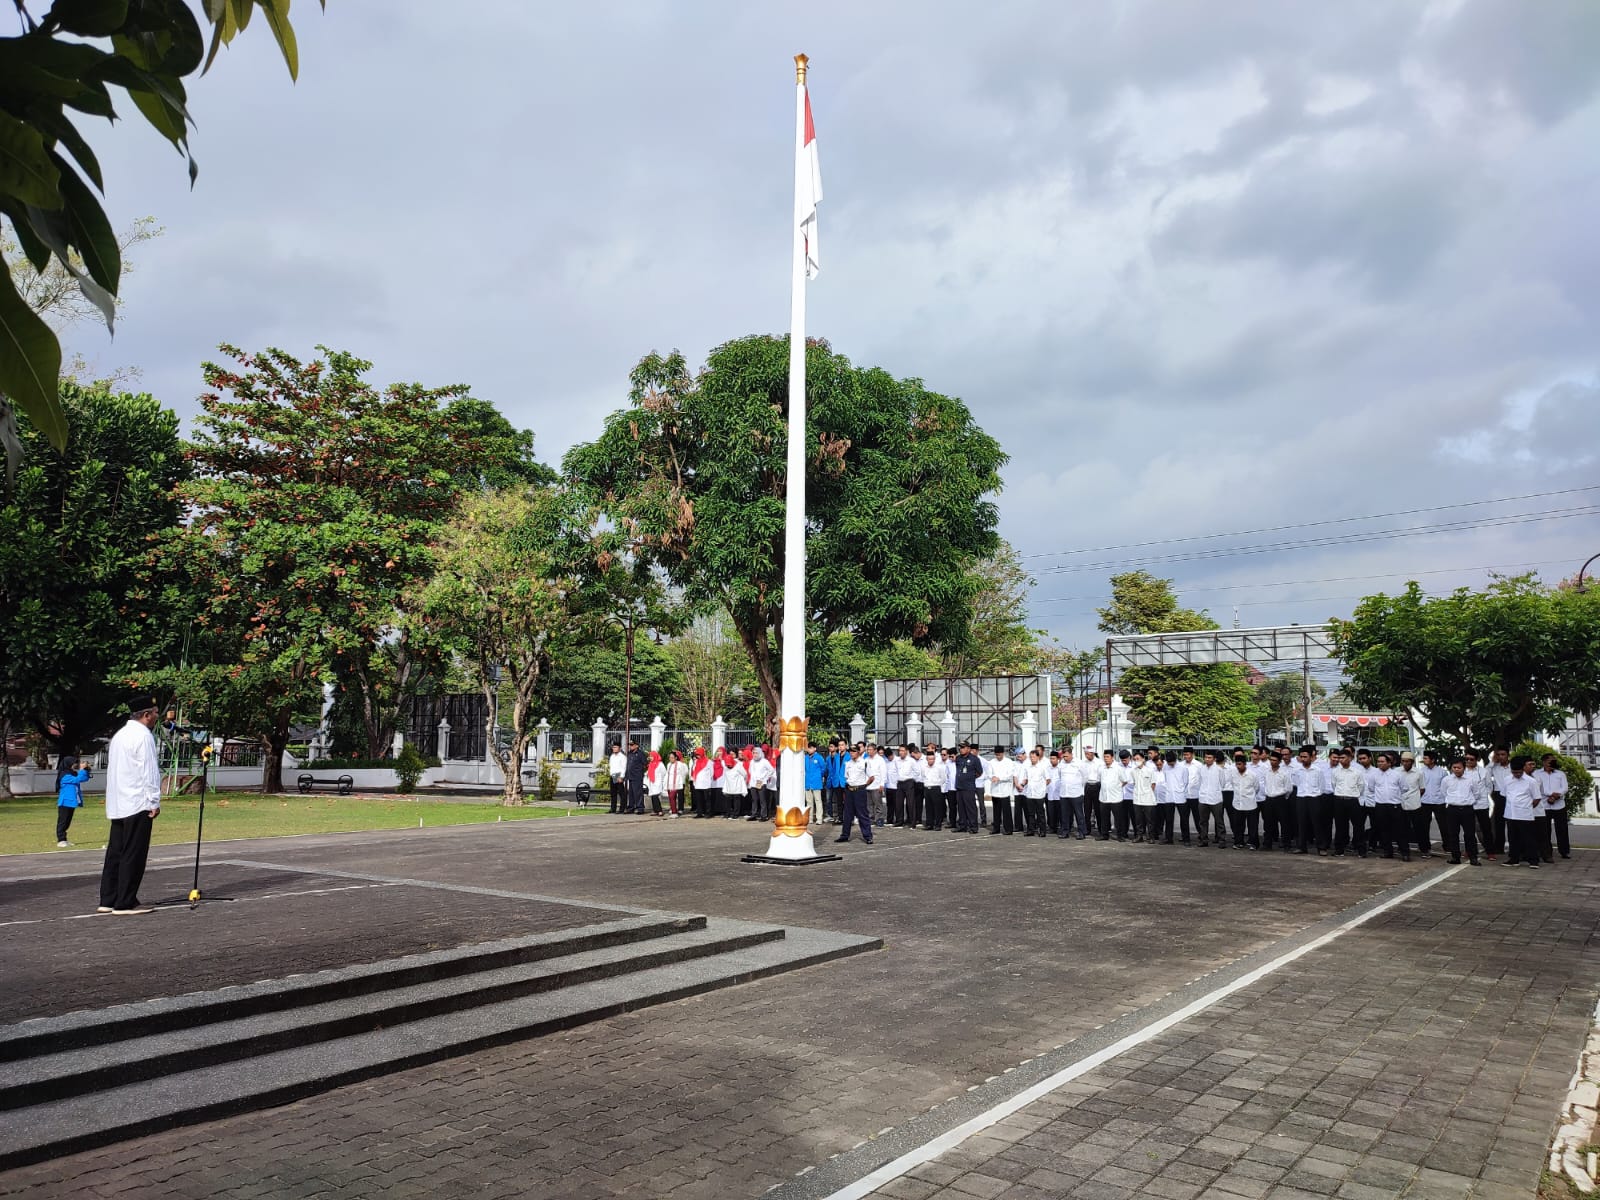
x: 408, y: 768
x: 1580, y: 784
x: 549, y: 780
x: 667, y: 747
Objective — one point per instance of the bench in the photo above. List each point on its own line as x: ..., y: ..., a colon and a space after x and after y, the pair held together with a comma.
x: 344, y: 785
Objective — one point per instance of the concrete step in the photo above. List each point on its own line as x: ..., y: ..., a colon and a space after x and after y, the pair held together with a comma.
x: 46, y: 1077
x: 132, y: 1108
x: 89, y: 1027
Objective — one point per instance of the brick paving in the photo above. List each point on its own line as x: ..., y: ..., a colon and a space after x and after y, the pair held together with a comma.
x: 1433, y: 1043
x: 278, y: 923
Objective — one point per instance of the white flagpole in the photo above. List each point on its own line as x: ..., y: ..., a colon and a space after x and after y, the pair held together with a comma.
x: 791, y: 839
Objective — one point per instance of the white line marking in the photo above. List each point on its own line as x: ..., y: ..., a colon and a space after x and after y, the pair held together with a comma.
x: 950, y: 1139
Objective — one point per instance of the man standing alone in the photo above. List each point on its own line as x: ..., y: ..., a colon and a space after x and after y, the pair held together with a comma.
x: 133, y: 801
x: 636, y: 762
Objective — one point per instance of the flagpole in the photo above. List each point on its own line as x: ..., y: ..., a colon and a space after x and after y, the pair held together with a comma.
x: 791, y: 835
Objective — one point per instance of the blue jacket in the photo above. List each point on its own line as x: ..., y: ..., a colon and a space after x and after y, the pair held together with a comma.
x: 816, y: 770
x: 71, y: 789
x: 835, y: 769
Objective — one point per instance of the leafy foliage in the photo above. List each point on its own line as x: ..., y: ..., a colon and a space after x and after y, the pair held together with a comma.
x: 898, y: 492
x: 1176, y: 702
x: 1484, y: 668
x: 998, y: 640
x: 710, y: 665
x: 1580, y: 784
x: 839, y: 679
x: 1282, y: 703
x: 80, y: 603
x: 586, y: 682
x: 75, y: 60
x: 408, y: 768
x: 501, y: 596
x: 315, y: 499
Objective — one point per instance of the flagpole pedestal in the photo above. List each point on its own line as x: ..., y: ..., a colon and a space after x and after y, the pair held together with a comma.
x: 791, y: 844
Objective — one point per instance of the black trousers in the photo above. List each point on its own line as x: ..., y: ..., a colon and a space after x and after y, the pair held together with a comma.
x: 619, y: 793
x: 1421, y: 819
x: 126, y: 851
x: 1190, y: 814
x: 1498, y: 834
x: 1074, y: 816
x: 1485, y: 822
x: 1302, y: 821
x: 1246, y: 828
x: 1389, y: 827
x: 1457, y: 823
x: 908, y: 802
x: 1322, y: 821
x: 1121, y: 816
x: 1521, y: 847
x: 856, y: 811
x: 1144, y: 821
x: 1002, y: 814
x: 1052, y: 815
x: 64, y: 814
x: 932, y: 808
x: 1211, y: 819
x: 1164, y: 818
x: 1032, y: 810
x: 1556, y: 820
x: 1091, y: 805
x: 1349, y: 825
x: 966, y: 815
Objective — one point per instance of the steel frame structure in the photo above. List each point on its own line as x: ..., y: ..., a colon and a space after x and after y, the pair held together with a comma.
x: 1203, y: 648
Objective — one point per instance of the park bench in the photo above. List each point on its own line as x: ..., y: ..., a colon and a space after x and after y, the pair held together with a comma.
x: 344, y: 784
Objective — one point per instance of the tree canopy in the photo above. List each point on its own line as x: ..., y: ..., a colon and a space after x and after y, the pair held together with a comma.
x: 899, y: 488
x: 1480, y: 668
x: 73, y: 61
x: 1175, y: 702
x: 80, y: 604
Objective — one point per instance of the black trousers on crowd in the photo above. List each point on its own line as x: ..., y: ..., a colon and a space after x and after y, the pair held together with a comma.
x: 1421, y: 819
x: 932, y: 807
x: 1389, y: 827
x: 908, y: 802
x: 1498, y: 834
x: 126, y: 851
x: 1349, y: 825
x: 619, y: 795
x: 1052, y: 815
x: 1189, y: 814
x: 1211, y: 824
x: 1521, y: 847
x: 1002, y: 814
x: 1091, y: 805
x: 1302, y: 819
x: 1163, y: 819
x: 1556, y: 821
x: 64, y: 814
x: 1246, y: 828
x: 1485, y: 822
x: 1274, y: 826
x: 967, y: 811
x: 1457, y: 824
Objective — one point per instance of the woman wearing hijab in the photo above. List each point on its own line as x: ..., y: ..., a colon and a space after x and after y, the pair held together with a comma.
x: 677, y: 772
x: 707, y: 793
x: 655, y: 781
x: 761, y: 776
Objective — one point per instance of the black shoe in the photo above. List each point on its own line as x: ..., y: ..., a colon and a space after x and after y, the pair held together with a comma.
x: 1322, y: 854
x: 1203, y: 843
x: 1475, y: 862
x: 843, y: 839
x: 1405, y: 858
x: 1508, y: 863
x: 1455, y: 860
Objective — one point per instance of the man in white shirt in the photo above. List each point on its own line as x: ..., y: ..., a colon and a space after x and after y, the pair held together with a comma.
x: 1002, y: 786
x: 1245, y: 815
x: 1074, y: 797
x: 856, y: 805
x: 877, y: 782
x: 1306, y: 777
x: 1384, y: 787
x: 1111, y: 814
x: 1175, y: 789
x: 892, y: 761
x: 133, y: 801
x: 1482, y: 810
x: 1190, y: 813
x: 1456, y: 795
x: 1499, y: 772
x: 1521, y: 796
x: 1033, y: 781
x: 1209, y: 794
x: 1276, y: 816
x: 1553, y: 816
x: 617, y: 768
x: 1349, y: 824
x: 1415, y: 821
x: 1433, y: 773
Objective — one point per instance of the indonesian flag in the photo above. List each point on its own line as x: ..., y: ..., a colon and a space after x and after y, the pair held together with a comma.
x: 808, y: 190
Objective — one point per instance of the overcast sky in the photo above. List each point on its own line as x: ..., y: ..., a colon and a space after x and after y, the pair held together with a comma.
x: 1201, y: 268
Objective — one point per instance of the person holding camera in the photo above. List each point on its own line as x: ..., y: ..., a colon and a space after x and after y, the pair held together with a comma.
x: 71, y: 775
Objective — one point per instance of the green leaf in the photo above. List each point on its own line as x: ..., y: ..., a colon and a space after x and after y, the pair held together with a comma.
x: 56, y: 124
x: 89, y: 230
x: 55, y: 230
x: 90, y: 18
x: 30, y: 363
x: 277, y: 14
x: 26, y: 171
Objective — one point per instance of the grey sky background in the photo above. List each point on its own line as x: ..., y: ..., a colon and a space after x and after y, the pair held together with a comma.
x: 1200, y: 268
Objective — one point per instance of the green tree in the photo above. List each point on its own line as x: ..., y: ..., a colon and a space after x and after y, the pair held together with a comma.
x: 1282, y: 703
x: 1485, y: 668
x: 839, y: 679
x: 586, y: 682
x: 500, y: 594
x: 898, y: 489
x: 314, y: 501
x: 710, y: 665
x: 506, y: 458
x: 68, y: 62
x: 998, y: 640
x: 1175, y: 702
x: 1075, y: 678
x: 81, y: 608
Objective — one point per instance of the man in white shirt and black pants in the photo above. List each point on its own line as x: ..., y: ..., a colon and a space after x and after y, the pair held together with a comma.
x: 133, y: 801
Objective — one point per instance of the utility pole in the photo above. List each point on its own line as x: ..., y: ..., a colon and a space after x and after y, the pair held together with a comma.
x: 1305, y: 677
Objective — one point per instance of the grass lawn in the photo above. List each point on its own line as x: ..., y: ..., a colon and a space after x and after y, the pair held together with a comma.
x: 29, y: 824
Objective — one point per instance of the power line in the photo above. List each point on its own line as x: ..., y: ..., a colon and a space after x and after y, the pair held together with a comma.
x: 1404, y: 512
x: 1350, y: 539
x: 1185, y: 590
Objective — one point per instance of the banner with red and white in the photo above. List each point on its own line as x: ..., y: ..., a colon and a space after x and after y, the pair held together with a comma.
x: 808, y: 190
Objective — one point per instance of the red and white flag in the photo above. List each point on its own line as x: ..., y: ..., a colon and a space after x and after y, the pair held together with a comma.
x: 808, y: 189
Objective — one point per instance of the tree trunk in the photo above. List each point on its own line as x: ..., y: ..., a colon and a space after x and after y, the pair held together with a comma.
x: 274, y: 743
x: 627, y: 682
x: 758, y: 648
x: 5, y: 760
x: 511, y: 761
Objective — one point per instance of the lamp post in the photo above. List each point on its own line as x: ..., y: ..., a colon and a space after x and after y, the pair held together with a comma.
x: 1578, y: 585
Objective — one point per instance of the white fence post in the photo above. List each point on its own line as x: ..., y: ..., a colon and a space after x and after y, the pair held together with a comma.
x: 444, y: 739
x: 1028, y: 728
x: 914, y: 729
x: 658, y: 731
x: 947, y: 729
x: 542, y: 743
x: 597, y: 751
x: 719, y: 735
x: 858, y: 729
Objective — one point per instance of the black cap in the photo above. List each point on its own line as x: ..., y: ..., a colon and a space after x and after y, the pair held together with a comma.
x: 144, y: 704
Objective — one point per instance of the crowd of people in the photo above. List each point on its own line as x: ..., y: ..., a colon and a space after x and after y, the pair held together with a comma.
x: 1350, y: 801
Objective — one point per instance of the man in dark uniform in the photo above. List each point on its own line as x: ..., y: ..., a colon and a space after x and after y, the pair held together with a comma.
x: 638, y: 760
x: 968, y: 772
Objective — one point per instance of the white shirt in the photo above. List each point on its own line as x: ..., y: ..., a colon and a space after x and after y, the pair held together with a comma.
x: 761, y: 772
x: 1480, y: 776
x: 1384, y: 787
x: 133, y: 773
x: 705, y: 779
x: 877, y: 772
x: 1554, y: 786
x: 1309, y: 781
x: 1211, y: 783
x: 677, y: 773
x: 1522, y: 797
x: 734, y: 780
x: 1274, y: 783
x: 1144, y: 785
x: 1038, y: 776
x: 1176, y: 780
x: 1191, y: 789
x: 1091, y: 769
x: 1002, y: 776
x: 1498, y: 775
x: 1433, y: 783
x: 891, y: 771
x: 1457, y: 793
x: 1348, y: 782
x: 617, y: 764
x: 855, y: 773
x: 1411, y: 783
x: 1072, y: 779
x: 1246, y: 789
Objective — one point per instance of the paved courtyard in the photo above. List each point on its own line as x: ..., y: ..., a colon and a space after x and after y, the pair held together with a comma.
x: 1046, y: 1019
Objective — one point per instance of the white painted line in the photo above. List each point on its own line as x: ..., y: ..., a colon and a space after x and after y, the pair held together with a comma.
x: 949, y: 1140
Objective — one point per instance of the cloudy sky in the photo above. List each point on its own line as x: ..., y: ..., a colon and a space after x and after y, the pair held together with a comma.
x: 1203, y: 269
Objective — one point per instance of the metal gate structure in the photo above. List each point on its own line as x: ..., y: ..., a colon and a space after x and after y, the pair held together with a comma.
x: 986, y: 708
x: 467, y: 713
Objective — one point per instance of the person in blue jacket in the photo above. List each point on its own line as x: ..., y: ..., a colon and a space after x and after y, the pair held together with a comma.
x: 71, y: 775
x: 816, y: 780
